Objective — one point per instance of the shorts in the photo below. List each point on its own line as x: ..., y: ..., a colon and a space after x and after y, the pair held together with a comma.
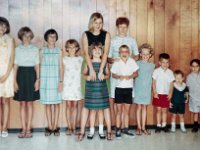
x: 123, y: 95
x: 162, y: 101
x: 177, y: 108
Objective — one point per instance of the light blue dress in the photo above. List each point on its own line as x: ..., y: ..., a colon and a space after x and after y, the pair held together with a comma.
x: 116, y: 42
x: 143, y: 83
x: 50, y: 76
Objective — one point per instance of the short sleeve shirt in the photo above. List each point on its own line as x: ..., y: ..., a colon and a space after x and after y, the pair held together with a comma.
x: 122, y: 68
x: 26, y: 56
x: 163, y: 80
x: 117, y: 41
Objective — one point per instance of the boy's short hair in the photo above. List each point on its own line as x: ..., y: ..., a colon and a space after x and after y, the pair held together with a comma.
x: 122, y: 20
x: 178, y: 72
x: 50, y: 31
x: 195, y: 61
x: 146, y: 46
x: 164, y: 56
x: 23, y: 31
x: 4, y: 21
x: 124, y: 46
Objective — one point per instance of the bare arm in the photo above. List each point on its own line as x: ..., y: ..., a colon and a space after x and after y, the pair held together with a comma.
x: 170, y: 90
x: 16, y: 88
x: 107, y: 75
x: 154, y: 89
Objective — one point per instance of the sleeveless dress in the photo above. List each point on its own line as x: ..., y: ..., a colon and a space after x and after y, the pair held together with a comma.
x: 96, y: 92
x: 72, y: 78
x: 6, y: 88
x: 143, y: 82
x: 50, y: 76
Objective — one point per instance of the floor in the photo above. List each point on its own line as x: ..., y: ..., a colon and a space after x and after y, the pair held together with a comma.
x: 162, y: 141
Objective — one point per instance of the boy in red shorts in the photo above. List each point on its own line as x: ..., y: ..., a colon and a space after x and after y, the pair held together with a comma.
x: 162, y: 88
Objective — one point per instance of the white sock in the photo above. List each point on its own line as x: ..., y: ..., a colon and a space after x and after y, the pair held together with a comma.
x: 92, y: 131
x: 101, y: 129
x: 173, y: 124
x: 164, y: 124
x: 158, y: 125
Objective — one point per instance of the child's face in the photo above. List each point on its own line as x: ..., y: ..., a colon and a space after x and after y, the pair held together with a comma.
x: 51, y: 39
x: 122, y: 29
x: 164, y: 63
x: 179, y: 78
x: 71, y: 49
x: 124, y: 53
x: 195, y: 67
x: 145, y: 54
x: 97, y: 52
x: 26, y: 39
x: 97, y: 24
x: 3, y: 29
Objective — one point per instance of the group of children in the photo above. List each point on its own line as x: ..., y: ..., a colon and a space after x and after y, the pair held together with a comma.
x: 52, y: 75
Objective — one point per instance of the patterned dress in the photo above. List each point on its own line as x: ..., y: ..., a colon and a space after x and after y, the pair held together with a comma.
x: 96, y: 92
x: 6, y: 88
x: 72, y: 78
x: 50, y: 76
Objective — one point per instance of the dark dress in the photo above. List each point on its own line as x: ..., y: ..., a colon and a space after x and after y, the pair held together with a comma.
x: 96, y: 92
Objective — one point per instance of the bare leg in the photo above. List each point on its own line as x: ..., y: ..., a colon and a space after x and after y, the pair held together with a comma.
x: 49, y: 116
x: 138, y: 113
x: 23, y: 115
x: 92, y: 118
x: 57, y: 111
x: 68, y: 118
x: 30, y: 115
x: 144, y: 116
x: 126, y: 115
x: 164, y: 115
x: 6, y: 104
x: 84, y: 117
x: 112, y: 110
x: 1, y: 112
x: 74, y: 114
x: 158, y: 116
x: 107, y: 119
x: 118, y: 116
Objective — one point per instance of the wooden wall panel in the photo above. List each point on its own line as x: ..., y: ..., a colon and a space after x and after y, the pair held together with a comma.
x: 170, y: 26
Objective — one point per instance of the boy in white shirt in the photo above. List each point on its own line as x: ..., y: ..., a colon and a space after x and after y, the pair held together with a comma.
x: 124, y: 70
x: 162, y: 88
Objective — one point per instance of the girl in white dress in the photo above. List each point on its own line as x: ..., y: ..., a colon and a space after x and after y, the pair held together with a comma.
x: 72, y: 92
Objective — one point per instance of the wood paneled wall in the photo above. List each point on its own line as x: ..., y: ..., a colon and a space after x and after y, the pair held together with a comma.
x: 170, y: 26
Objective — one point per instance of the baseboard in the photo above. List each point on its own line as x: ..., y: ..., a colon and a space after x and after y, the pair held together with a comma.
x: 63, y: 129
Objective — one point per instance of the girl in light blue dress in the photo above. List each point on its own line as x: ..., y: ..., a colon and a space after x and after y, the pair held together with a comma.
x: 51, y: 81
x: 143, y: 87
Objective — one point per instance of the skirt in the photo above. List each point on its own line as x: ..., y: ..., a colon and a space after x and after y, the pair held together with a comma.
x: 26, y: 77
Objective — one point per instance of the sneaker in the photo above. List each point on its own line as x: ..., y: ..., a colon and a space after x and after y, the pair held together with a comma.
x: 165, y: 129
x: 173, y: 129
x: 4, y: 134
x: 128, y: 133
x: 158, y: 129
x: 118, y: 134
x: 183, y: 130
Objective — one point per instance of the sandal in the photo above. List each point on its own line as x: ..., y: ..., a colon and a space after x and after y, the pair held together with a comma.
x: 69, y: 132
x: 139, y: 132
x: 109, y: 136
x: 80, y: 136
x: 74, y: 132
x: 22, y: 134
x: 57, y: 132
x: 48, y: 132
x: 28, y: 134
x: 146, y: 132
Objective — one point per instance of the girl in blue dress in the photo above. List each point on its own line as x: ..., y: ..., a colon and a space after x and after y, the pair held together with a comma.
x: 143, y: 83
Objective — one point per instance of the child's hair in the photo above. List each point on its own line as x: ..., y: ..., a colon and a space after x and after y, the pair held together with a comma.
x: 146, y: 46
x: 195, y: 61
x: 4, y: 21
x: 23, y: 31
x: 93, y: 18
x: 50, y: 31
x: 178, y: 72
x: 74, y: 42
x: 122, y: 20
x: 124, y: 46
x: 164, y: 56
x: 93, y: 46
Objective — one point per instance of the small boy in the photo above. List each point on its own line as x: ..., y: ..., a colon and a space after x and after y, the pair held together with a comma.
x: 193, y: 83
x: 179, y: 98
x: 162, y: 88
x: 124, y: 71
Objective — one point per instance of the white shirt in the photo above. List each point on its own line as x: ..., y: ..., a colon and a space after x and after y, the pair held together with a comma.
x: 163, y: 79
x: 126, y: 69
